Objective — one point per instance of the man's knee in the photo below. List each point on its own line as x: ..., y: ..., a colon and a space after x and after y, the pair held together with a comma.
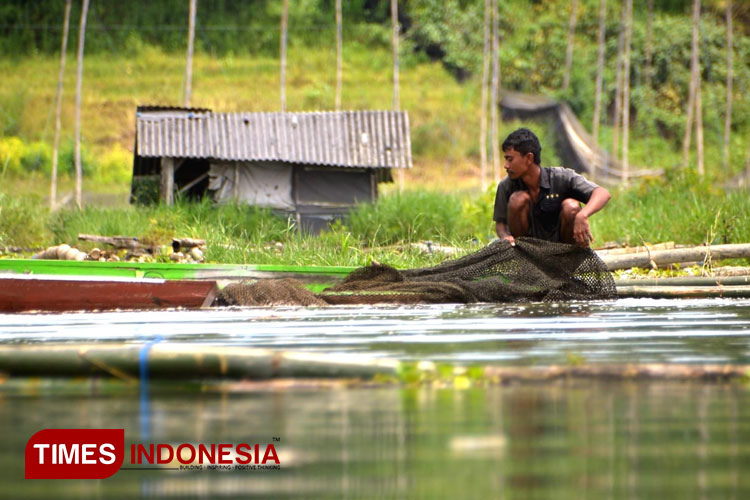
x: 570, y: 208
x: 520, y: 200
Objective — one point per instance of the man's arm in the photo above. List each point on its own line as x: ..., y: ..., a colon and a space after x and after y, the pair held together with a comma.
x: 581, y: 229
x: 501, y: 228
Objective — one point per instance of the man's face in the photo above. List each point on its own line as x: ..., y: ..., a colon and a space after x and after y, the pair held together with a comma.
x: 517, y: 164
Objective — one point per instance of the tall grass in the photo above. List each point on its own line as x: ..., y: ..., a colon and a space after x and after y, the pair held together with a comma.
x: 684, y: 210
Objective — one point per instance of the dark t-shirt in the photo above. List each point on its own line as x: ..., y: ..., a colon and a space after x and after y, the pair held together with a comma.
x: 555, y: 185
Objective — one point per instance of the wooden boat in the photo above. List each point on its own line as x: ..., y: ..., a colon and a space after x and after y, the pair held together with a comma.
x: 19, y: 293
x: 315, y: 277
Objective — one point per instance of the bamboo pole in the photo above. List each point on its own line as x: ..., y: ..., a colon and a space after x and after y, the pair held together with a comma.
x: 485, y: 85
x: 394, y: 22
x: 58, y: 107
x: 683, y: 292
x: 284, y: 18
x: 699, y: 128
x: 339, y: 54
x: 626, y: 93
x: 640, y: 371
x: 649, y: 42
x: 728, y: 115
x: 79, y: 81
x: 599, y: 75
x: 494, y: 94
x: 571, y: 39
x: 618, y: 84
x: 686, y: 281
x: 189, y: 63
x: 661, y: 257
x: 168, y: 360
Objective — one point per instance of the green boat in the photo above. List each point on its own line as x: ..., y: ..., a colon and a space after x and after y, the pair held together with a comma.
x: 316, y: 278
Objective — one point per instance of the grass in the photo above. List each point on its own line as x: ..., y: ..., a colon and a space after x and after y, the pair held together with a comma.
x: 684, y: 210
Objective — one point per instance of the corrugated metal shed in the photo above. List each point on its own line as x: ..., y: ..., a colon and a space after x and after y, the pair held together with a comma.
x: 373, y: 139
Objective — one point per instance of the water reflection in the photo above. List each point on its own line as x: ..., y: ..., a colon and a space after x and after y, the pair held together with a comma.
x: 560, y: 440
x: 643, y: 330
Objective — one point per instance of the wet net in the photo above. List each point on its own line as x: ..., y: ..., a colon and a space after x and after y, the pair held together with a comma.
x: 532, y: 270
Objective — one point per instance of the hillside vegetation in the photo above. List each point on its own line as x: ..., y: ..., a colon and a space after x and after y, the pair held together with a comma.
x: 135, y: 55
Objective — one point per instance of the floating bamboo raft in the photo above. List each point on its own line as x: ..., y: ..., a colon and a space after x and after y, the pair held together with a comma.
x: 165, y: 361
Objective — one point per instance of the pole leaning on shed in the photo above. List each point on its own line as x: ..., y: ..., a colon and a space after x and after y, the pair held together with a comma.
x: 79, y: 79
x: 189, y: 63
x: 339, y: 54
x: 58, y: 107
x: 485, y: 85
x: 284, y: 18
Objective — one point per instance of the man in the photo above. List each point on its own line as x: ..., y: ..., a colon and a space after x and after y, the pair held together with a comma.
x: 543, y: 202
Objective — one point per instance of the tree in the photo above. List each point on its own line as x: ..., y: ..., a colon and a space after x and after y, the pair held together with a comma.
x: 571, y: 38
x: 485, y: 83
x: 284, y: 17
x: 58, y: 106
x: 189, y: 63
x: 339, y: 54
x: 79, y: 80
x: 728, y: 116
x: 599, y: 71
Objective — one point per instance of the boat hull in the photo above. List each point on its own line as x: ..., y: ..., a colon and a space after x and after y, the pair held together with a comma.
x: 26, y: 293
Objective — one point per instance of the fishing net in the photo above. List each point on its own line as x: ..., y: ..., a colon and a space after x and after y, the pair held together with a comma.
x: 532, y: 270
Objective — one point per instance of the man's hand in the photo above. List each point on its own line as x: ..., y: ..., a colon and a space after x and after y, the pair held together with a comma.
x: 582, y: 231
x: 502, y: 232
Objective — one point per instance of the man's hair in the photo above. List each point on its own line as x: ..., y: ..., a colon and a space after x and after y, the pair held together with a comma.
x: 524, y: 141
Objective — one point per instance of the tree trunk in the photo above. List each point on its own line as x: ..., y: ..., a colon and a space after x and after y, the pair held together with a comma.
x: 694, y: 81
x: 485, y: 85
x: 728, y: 116
x: 626, y: 94
x: 284, y: 16
x: 599, y: 73
x: 571, y: 38
x: 494, y: 93
x: 649, y: 42
x: 58, y: 107
x: 339, y: 54
x: 79, y: 81
x: 189, y: 63
x: 618, y: 84
x: 394, y: 22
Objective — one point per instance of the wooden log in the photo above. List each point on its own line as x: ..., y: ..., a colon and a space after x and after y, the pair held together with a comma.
x: 669, y: 292
x: 678, y: 255
x: 126, y: 242
x: 188, y: 243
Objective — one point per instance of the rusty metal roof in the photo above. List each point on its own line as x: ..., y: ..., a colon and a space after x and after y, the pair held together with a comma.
x: 375, y: 139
